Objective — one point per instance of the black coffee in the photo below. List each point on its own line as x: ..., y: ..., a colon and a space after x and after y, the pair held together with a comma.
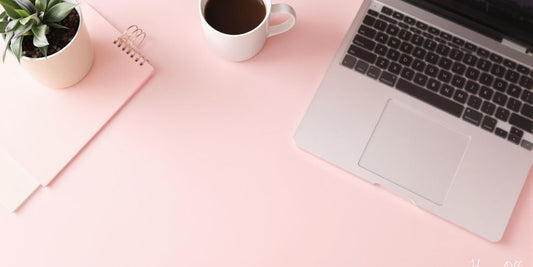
x: 234, y: 16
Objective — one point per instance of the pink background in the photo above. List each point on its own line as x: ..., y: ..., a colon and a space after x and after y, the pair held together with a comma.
x: 200, y: 169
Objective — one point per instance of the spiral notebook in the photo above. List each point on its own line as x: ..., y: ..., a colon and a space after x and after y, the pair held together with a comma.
x: 43, y: 129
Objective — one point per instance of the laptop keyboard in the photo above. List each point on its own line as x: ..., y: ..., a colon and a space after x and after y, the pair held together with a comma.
x: 445, y: 71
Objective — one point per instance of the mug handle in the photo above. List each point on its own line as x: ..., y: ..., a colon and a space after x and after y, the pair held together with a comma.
x: 286, y: 25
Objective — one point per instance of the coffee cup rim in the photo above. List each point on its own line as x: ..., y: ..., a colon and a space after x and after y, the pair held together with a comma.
x: 268, y: 6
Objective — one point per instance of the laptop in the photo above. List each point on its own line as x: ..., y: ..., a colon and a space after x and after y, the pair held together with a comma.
x: 433, y: 100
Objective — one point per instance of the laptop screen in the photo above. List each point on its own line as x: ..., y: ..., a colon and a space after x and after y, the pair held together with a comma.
x: 511, y: 18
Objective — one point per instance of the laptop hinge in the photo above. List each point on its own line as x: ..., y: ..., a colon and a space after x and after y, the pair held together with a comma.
x: 515, y: 46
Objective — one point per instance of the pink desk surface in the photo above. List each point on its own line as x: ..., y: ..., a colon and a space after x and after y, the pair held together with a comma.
x: 199, y: 169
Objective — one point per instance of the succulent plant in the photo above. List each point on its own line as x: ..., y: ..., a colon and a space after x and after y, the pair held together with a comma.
x: 31, y: 18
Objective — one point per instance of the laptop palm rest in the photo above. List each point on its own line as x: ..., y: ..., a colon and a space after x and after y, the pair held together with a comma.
x: 414, y: 152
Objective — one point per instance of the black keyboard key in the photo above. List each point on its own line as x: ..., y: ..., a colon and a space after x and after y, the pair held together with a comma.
x: 364, y: 42
x: 418, y: 65
x: 460, y: 96
x: 392, y: 30
x: 409, y: 20
x: 432, y: 58
x: 470, y: 59
x: 472, y: 87
x: 430, y: 98
x: 458, y: 41
x: 415, y: 30
x: 373, y: 12
x: 458, y: 81
x: 395, y: 68
x: 361, y: 66
x: 527, y: 145
x: 526, y: 82
x: 474, y: 102
x: 382, y: 63
x: 427, y: 35
x: 405, y: 35
x: 486, y: 93
x: 496, y: 58
x: 527, y: 96
x: 473, y: 116
x: 433, y: 31
x: 393, y: 55
x: 443, y: 50
x: 446, y: 90
x: 417, y: 39
x: 373, y: 72
x: 380, y: 25
x: 512, y: 76
x: 500, y: 85
x: 486, y: 79
x: 406, y: 60
x: 397, y: 15
x: 445, y: 36
x: 514, y: 139
x: 349, y: 61
x: 456, y: 54
x: 509, y: 64
x: 517, y: 132
x: 361, y: 53
x: 488, y: 108
x: 408, y: 74
x: 514, y: 91
x: 472, y: 73
x: 497, y: 70
x: 501, y: 133
x: 394, y: 43
x: 430, y: 45
x: 419, y: 53
x: 514, y: 105
x: 500, y: 99
x: 489, y: 124
x: 470, y: 46
x: 445, y: 63
x: 421, y: 25
x: 433, y: 85
x: 482, y: 52
x: 386, y: 10
x: 445, y: 76
x: 381, y: 38
x: 523, y: 69
x: 458, y: 68
x: 403, y: 25
x: 431, y: 71
x: 369, y: 20
x: 484, y: 64
x: 388, y: 19
x: 406, y: 47
x: 381, y: 50
x: 502, y: 114
x: 521, y: 122
x: 388, y: 78
x: 420, y: 79
x: 368, y: 32
x: 527, y: 111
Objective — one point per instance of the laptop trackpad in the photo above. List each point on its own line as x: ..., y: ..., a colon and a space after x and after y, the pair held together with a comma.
x: 414, y: 152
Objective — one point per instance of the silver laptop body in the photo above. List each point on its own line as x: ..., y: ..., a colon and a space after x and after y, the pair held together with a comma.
x: 385, y: 129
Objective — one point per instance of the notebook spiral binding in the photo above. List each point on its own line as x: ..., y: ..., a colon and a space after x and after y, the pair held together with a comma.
x: 130, y: 40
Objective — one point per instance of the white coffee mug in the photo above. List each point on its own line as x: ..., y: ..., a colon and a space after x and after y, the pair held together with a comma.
x: 244, y: 46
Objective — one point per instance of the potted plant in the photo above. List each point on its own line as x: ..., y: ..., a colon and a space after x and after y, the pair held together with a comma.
x: 48, y: 38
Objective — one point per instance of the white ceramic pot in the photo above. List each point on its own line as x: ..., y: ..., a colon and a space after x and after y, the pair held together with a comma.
x: 69, y: 65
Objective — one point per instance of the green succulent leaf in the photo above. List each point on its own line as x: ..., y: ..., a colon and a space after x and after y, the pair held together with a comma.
x: 26, y: 5
x: 9, y: 37
x: 58, y: 12
x: 3, y: 16
x: 11, y: 11
x: 40, y: 5
x: 39, y: 36
x: 11, y: 25
x: 57, y: 26
x: 33, y: 17
x: 52, y: 3
x: 10, y: 3
x: 3, y: 25
x: 44, y: 50
x: 16, y: 47
x: 21, y: 30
